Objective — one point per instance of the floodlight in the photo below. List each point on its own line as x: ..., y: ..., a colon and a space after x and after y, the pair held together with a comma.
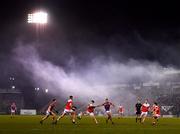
x: 46, y: 90
x: 38, y: 17
x: 37, y: 88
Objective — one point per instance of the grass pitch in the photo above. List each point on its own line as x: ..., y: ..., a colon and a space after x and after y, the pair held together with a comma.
x: 31, y: 125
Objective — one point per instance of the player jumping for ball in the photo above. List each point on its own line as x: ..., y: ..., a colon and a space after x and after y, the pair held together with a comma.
x: 49, y: 111
x: 69, y: 109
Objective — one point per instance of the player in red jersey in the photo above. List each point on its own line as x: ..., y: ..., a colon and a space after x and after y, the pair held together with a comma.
x: 69, y: 109
x: 50, y: 111
x: 156, y: 113
x: 121, y: 111
x: 13, y: 109
x: 89, y: 111
x: 144, y: 111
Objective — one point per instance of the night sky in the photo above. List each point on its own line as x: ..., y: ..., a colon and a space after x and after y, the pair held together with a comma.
x: 138, y: 22
x: 87, y: 29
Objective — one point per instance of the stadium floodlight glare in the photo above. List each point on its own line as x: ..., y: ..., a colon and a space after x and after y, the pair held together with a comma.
x: 38, y: 17
x: 46, y: 90
x: 12, y: 78
x: 37, y: 88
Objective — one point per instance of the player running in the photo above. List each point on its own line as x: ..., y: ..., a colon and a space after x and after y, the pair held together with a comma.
x: 107, y: 106
x: 121, y: 111
x: 90, y: 111
x: 69, y: 109
x: 49, y: 111
x: 156, y: 113
x: 13, y: 109
x: 138, y: 110
x: 144, y: 111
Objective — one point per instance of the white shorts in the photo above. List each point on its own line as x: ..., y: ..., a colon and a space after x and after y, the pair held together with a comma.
x: 109, y: 111
x: 68, y: 111
x: 48, y: 113
x: 13, y: 111
x: 156, y: 115
x: 144, y: 114
x: 90, y: 113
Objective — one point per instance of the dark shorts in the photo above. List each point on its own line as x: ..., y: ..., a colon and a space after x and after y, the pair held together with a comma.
x: 107, y: 109
x: 138, y: 112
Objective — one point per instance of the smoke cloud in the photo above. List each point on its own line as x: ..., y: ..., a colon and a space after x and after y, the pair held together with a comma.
x: 98, y: 79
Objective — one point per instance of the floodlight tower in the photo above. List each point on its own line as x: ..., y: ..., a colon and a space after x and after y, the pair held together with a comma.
x: 12, y: 82
x: 39, y: 19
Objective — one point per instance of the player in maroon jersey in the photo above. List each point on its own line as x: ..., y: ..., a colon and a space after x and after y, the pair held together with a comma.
x: 13, y: 109
x: 107, y: 106
x: 50, y: 111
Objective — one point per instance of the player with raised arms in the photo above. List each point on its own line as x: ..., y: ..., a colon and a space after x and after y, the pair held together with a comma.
x: 69, y: 109
x: 49, y: 111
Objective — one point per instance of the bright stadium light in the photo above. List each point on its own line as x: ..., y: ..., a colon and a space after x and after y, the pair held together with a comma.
x: 46, y: 90
x: 37, y: 88
x: 38, y: 17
